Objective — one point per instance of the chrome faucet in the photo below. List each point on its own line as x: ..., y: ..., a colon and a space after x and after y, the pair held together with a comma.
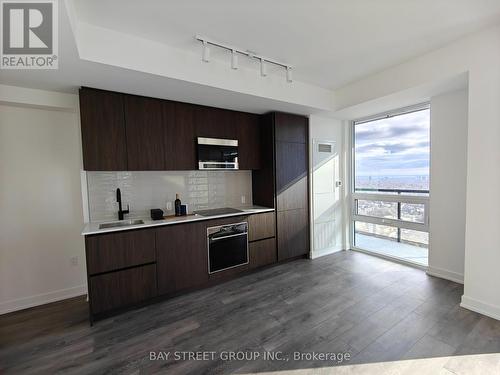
x: 119, y: 200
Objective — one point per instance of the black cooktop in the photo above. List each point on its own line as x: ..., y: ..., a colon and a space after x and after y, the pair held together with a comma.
x: 218, y: 211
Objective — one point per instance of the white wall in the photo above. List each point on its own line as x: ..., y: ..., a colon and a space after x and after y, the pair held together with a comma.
x: 448, y: 174
x: 40, y: 207
x: 327, y: 200
x: 479, y: 56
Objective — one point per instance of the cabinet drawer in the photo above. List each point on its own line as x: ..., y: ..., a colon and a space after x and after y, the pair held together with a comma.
x: 122, y: 288
x: 261, y: 226
x: 112, y: 251
x: 262, y: 252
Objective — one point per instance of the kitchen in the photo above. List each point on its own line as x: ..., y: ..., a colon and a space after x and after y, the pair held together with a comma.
x: 243, y: 176
x: 249, y: 187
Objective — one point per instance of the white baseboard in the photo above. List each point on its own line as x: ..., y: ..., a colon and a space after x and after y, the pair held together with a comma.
x: 481, y: 307
x: 41, y: 299
x: 323, y: 252
x: 445, y: 274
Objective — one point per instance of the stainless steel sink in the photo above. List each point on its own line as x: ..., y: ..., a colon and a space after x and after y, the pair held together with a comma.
x: 121, y: 223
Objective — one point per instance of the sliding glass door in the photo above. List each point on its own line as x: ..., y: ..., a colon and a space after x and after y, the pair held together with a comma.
x: 390, y: 197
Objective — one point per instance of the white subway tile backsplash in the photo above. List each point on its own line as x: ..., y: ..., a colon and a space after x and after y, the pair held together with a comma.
x: 144, y: 190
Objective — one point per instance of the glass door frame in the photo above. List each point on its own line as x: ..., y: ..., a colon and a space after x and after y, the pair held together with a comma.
x: 399, y: 198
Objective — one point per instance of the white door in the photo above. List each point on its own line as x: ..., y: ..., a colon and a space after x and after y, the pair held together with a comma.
x: 327, y: 204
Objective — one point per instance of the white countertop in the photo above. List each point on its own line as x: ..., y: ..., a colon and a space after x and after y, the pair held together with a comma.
x: 93, y: 228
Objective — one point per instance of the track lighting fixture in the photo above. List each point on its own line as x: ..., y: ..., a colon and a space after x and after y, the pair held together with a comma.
x: 234, y: 60
x: 251, y: 55
x: 206, y: 52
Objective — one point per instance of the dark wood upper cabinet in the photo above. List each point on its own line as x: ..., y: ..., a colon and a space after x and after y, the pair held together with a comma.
x: 291, y: 175
x: 180, y: 138
x: 145, y: 130
x: 263, y: 183
x: 248, y: 135
x: 129, y: 132
x: 104, y: 143
x: 182, y: 257
x: 291, y: 128
x: 216, y: 123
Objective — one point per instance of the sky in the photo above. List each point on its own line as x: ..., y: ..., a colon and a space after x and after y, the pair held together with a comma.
x: 396, y: 146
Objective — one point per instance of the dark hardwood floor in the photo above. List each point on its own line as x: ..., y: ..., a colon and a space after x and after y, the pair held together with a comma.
x: 388, y: 317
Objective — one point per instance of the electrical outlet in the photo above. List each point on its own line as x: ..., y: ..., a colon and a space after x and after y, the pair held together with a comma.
x: 169, y: 206
x: 74, y: 261
x: 243, y: 199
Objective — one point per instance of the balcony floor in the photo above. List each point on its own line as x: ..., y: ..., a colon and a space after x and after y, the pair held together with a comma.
x: 394, y: 249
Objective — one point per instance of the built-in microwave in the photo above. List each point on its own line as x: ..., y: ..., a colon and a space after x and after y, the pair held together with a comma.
x: 217, y: 153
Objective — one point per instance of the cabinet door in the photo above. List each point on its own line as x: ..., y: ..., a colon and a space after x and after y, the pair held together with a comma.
x: 261, y: 226
x: 215, y: 123
x: 122, y: 288
x: 249, y: 148
x: 293, y: 233
x: 263, y: 187
x: 112, y: 251
x: 291, y: 175
x: 262, y: 252
x: 103, y: 130
x: 291, y: 128
x: 182, y: 257
x: 145, y: 133
x: 180, y: 136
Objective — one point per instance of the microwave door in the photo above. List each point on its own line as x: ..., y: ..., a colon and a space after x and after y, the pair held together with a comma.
x: 217, y: 153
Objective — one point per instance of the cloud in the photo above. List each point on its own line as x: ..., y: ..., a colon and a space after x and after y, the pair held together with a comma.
x: 393, y: 146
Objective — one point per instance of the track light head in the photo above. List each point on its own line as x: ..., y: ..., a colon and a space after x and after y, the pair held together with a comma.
x: 289, y: 77
x: 263, y: 68
x: 206, y: 52
x: 264, y: 61
x: 234, y: 60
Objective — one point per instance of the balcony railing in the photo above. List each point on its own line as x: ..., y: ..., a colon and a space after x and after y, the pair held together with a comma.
x: 398, y: 191
x: 374, y: 214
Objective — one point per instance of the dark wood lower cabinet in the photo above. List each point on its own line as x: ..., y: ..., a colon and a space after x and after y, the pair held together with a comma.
x: 182, y: 257
x: 293, y: 233
x: 128, y: 268
x: 122, y: 288
x: 262, y: 252
x: 113, y: 251
x: 261, y: 226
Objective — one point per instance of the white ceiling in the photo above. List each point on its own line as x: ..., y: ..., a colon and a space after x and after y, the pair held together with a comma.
x: 330, y: 43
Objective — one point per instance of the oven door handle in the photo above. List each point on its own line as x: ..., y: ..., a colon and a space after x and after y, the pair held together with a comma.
x: 231, y: 235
